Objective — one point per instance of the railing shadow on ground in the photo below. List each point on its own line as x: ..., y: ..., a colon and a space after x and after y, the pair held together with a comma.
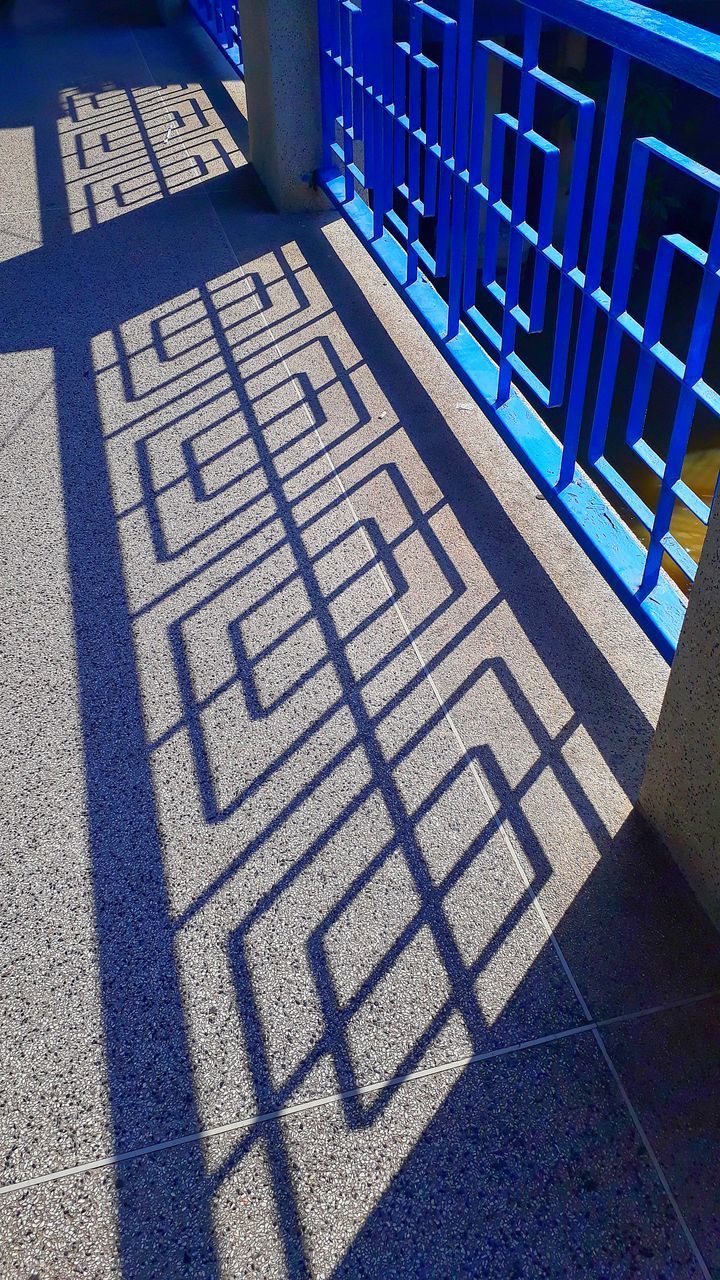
x: 205, y: 528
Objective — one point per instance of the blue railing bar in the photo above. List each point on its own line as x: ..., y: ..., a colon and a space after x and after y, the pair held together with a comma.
x: 697, y: 352
x: 689, y: 498
x: 447, y: 127
x: 683, y: 50
x: 221, y: 21
x: 629, y: 227
x: 543, y: 239
x: 386, y: 62
x: 461, y: 152
x: 679, y: 438
x: 646, y: 517
x: 475, y: 166
x: 467, y: 276
x: 367, y: 104
x: 436, y: 16
x: 531, y: 46
x: 659, y: 285
x: 346, y: 93
x: 651, y: 458
x: 600, y: 531
x: 329, y: 95
x: 426, y: 122
x: 399, y: 116
x: 632, y: 500
x: 358, y: 97
x: 432, y: 136
x: 494, y: 191
x: 682, y: 558
x: 413, y: 73
x: 499, y: 50
x: 671, y: 156
x: 571, y: 245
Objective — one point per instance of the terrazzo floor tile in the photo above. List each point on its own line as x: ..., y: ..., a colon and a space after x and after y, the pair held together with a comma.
x: 527, y: 1166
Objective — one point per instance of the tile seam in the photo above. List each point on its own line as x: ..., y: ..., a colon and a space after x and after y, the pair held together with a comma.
x: 294, y: 1109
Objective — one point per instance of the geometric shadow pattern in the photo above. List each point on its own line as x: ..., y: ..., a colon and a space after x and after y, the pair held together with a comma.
x: 348, y: 860
x: 120, y: 151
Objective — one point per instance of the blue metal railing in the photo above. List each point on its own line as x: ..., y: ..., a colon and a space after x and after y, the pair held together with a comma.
x: 221, y: 18
x: 549, y: 220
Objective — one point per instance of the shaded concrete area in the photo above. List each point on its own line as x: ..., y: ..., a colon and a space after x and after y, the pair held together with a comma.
x: 316, y: 721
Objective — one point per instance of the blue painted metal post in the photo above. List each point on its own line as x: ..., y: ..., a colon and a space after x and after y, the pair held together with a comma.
x: 460, y: 167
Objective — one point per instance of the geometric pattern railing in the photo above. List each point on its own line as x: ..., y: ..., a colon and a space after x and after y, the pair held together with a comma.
x: 536, y: 226
x: 221, y: 19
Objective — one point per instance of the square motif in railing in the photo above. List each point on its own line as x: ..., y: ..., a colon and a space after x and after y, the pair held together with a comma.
x: 490, y: 213
x: 497, y: 164
x: 687, y: 372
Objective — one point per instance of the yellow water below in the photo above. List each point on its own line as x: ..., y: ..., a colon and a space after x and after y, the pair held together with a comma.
x: 700, y: 474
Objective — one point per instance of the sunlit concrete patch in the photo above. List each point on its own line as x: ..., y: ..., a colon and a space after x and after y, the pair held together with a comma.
x: 21, y: 229
x: 19, y: 191
x: 123, y: 148
x: 382, y: 906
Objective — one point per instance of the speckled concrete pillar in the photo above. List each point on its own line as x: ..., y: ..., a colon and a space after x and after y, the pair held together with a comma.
x: 282, y: 83
x: 680, y: 794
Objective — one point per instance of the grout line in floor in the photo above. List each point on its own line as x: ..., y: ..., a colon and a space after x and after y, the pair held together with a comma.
x: 331, y: 1099
x: 294, y: 1109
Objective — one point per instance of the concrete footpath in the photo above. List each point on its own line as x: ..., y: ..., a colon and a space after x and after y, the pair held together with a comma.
x: 330, y: 944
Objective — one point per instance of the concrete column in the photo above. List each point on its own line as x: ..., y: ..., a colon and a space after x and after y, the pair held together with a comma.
x: 282, y: 84
x: 680, y: 794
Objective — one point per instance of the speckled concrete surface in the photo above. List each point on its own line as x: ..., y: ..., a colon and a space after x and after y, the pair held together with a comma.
x: 670, y: 1066
x: 528, y: 1167
x: 249, y: 862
